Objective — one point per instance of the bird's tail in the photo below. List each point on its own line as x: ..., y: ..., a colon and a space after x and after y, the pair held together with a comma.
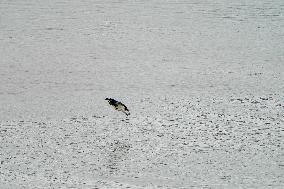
x: 126, y: 112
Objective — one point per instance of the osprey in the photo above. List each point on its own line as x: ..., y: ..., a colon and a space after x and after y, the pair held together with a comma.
x: 118, y: 106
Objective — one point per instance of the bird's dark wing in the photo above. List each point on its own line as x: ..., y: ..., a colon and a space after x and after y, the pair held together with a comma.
x: 113, y: 102
x: 125, y: 107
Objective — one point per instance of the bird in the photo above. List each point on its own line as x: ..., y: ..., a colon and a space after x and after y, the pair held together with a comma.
x: 118, y: 106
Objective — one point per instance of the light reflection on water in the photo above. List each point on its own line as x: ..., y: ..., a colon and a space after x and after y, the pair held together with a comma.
x: 83, y: 50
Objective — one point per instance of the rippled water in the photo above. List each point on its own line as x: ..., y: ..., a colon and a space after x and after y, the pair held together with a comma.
x: 62, y: 58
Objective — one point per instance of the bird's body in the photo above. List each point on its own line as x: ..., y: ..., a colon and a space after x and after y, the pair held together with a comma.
x: 118, y: 106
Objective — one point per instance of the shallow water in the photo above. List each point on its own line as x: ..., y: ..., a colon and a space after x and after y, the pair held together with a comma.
x: 203, y: 81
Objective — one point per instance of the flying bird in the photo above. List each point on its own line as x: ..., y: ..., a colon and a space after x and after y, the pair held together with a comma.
x: 118, y: 106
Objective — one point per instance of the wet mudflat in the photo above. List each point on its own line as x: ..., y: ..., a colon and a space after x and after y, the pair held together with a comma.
x: 183, y: 144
